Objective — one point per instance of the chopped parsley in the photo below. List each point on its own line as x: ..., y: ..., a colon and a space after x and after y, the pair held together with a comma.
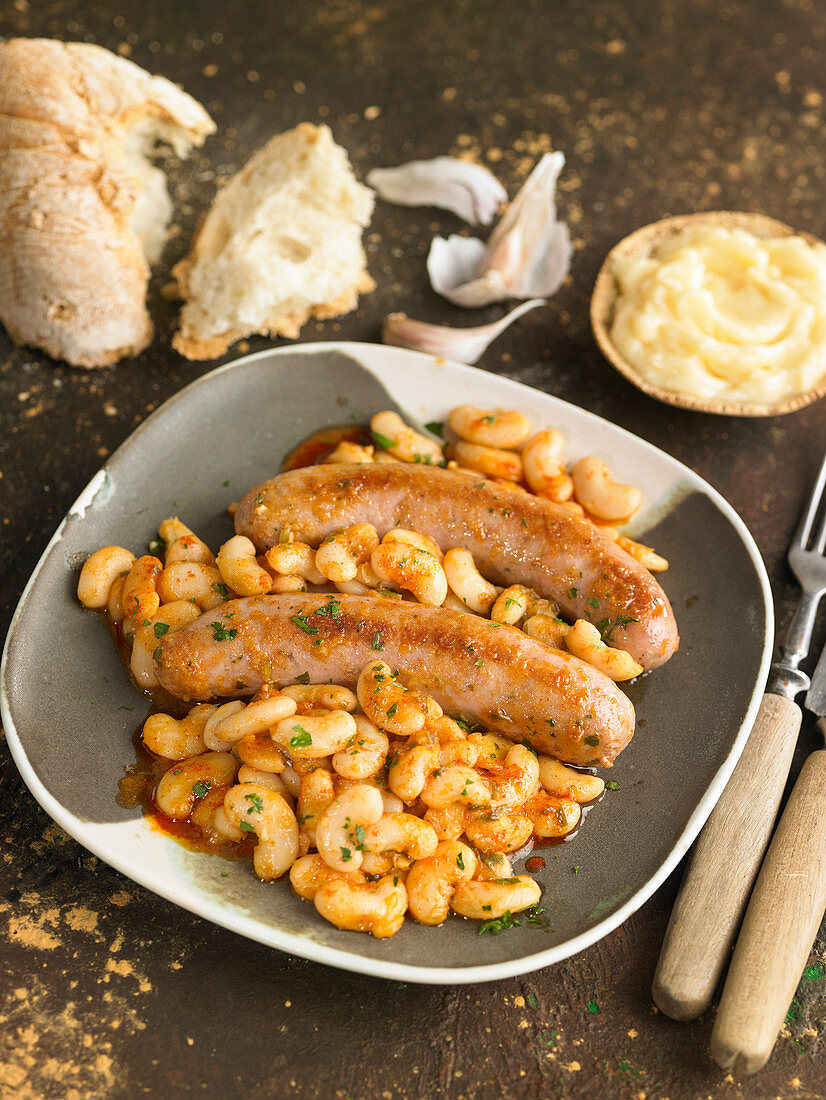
x: 591, y: 740
x: 378, y: 640
x: 383, y: 441
x: 200, y: 788
x: 330, y: 610
x: 489, y: 420
x: 157, y: 547
x: 612, y: 785
x: 245, y: 827
x: 436, y: 427
x: 460, y: 863
x: 221, y: 634
x: 256, y: 803
x: 300, y: 621
x: 221, y: 589
x: 302, y: 738
x: 592, y: 601
x: 606, y: 628
x: 499, y: 924
x: 573, y: 593
x: 304, y: 678
x: 392, y: 710
x: 160, y: 629
x: 226, y: 483
x: 346, y: 855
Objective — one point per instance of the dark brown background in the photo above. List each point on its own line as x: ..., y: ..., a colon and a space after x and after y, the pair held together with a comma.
x: 660, y: 108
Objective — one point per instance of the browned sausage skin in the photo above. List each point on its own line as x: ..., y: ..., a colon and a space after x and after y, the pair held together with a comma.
x: 491, y: 674
x: 515, y: 537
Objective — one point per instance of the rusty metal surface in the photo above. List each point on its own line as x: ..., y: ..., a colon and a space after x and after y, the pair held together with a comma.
x: 661, y: 109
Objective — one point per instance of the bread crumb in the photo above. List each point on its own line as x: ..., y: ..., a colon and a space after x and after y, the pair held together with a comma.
x: 209, y: 70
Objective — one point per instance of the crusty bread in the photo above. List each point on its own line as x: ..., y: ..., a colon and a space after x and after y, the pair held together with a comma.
x: 281, y: 243
x: 82, y: 210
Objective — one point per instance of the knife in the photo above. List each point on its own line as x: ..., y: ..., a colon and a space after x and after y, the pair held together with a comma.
x: 782, y: 918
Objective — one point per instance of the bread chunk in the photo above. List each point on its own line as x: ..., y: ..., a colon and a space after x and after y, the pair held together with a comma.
x: 83, y: 211
x: 281, y: 244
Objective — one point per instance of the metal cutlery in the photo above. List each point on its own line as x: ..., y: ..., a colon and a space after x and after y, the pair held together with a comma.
x: 782, y: 917
x: 728, y: 852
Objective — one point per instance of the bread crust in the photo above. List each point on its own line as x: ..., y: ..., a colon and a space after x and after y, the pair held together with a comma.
x: 74, y: 276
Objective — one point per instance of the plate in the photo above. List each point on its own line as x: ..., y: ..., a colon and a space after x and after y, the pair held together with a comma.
x: 70, y: 709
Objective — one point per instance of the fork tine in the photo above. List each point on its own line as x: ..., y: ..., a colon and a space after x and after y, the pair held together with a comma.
x: 819, y: 538
x: 808, y: 517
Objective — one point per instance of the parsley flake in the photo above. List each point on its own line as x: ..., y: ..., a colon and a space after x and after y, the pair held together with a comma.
x: 200, y: 788
x: 302, y: 738
x: 383, y: 441
x: 245, y: 827
x: 378, y: 640
x: 612, y: 785
x: 160, y: 629
x: 221, y: 634
x: 436, y: 427
x: 304, y: 678
x: 300, y: 621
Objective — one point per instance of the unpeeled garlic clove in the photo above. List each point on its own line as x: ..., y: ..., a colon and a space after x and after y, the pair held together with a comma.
x: 467, y: 189
x: 465, y: 345
x: 528, y: 253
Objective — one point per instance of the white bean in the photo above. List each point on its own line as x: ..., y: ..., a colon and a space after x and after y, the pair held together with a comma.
x: 504, y: 428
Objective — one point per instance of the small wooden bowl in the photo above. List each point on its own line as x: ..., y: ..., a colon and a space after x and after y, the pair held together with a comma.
x: 640, y: 243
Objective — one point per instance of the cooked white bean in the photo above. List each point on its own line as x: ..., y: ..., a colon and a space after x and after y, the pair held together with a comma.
x: 489, y: 461
x: 340, y: 555
x: 412, y: 766
x: 307, y: 737
x: 466, y: 581
x: 260, y: 751
x: 375, y: 907
x: 389, y: 704
x: 315, y: 795
x: 585, y: 642
x: 194, y: 581
x: 488, y: 900
x: 392, y: 434
x: 188, y: 548
x: 99, y: 573
x: 432, y: 881
x: 184, y: 783
x: 510, y: 606
x: 600, y: 495
x: 252, y: 807
x: 246, y: 774
x: 139, y: 594
x: 345, y: 451
x: 294, y: 559
x: 414, y: 538
x: 255, y: 717
x: 456, y: 783
x: 217, y: 744
x: 554, y: 816
x: 542, y: 465
x: 547, y: 629
x: 645, y: 555
x: 565, y: 782
x: 177, y: 738
x: 504, y: 428
x: 365, y: 755
x: 521, y: 778
x: 401, y: 834
x: 343, y: 822
x: 239, y: 568
x: 406, y: 566
x: 331, y: 696
x: 503, y: 831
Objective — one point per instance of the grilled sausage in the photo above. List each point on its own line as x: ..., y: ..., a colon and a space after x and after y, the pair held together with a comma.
x: 487, y: 673
x: 515, y: 537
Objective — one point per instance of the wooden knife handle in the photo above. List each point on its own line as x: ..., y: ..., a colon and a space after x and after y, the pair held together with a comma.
x: 780, y: 925
x: 724, y: 865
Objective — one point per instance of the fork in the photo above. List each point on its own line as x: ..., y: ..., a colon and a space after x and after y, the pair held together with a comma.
x: 728, y: 853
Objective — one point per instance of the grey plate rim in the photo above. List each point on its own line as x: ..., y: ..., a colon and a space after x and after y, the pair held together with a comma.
x: 92, y: 837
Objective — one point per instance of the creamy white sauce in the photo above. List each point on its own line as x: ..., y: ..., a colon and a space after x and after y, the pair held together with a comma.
x: 719, y: 313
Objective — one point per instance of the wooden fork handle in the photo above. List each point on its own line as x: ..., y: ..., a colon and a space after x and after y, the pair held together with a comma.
x: 780, y: 925
x: 724, y: 865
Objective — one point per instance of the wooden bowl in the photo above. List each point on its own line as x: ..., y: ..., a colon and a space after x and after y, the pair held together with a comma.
x: 640, y: 243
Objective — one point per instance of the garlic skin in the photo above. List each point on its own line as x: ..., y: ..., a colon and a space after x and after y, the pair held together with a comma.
x: 467, y: 189
x: 465, y: 345
x: 527, y: 255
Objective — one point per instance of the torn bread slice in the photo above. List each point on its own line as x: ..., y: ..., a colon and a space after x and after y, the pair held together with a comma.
x: 83, y: 211
x: 281, y: 243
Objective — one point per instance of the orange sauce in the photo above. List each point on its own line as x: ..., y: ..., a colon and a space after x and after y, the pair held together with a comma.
x: 317, y: 446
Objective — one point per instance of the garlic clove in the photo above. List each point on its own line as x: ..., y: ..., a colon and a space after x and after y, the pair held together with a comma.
x: 467, y: 189
x: 528, y: 253
x: 465, y: 345
x: 453, y: 266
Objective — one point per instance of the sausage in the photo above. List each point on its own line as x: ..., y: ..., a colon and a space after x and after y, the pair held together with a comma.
x: 515, y: 537
x: 492, y: 674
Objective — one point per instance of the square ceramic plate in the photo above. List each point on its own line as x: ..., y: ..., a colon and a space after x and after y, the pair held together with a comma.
x: 69, y: 708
